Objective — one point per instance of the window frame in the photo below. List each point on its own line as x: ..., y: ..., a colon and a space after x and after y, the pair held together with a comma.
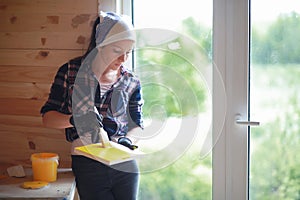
x: 231, y: 56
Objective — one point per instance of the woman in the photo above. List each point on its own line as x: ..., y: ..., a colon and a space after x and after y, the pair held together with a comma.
x: 97, y: 83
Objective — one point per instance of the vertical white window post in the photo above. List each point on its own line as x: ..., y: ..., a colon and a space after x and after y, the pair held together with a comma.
x: 231, y: 56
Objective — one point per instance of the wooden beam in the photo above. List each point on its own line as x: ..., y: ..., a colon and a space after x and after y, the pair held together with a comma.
x: 29, y: 74
x: 17, y: 147
x: 49, y: 6
x: 44, y: 40
x: 21, y: 107
x: 29, y: 22
x: 37, y: 57
x: 38, y: 91
x: 21, y: 120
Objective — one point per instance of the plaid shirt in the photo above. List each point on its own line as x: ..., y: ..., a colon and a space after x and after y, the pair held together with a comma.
x: 121, y: 106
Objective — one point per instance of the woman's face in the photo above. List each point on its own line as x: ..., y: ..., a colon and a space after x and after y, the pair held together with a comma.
x: 115, y: 54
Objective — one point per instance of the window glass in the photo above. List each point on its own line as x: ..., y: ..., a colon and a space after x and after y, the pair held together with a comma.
x: 173, y: 58
x: 275, y: 100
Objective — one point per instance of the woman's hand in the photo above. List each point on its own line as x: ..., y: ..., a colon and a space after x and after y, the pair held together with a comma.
x: 125, y: 141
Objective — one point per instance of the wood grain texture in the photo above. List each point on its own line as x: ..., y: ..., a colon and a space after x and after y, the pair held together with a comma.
x: 37, y: 57
x: 33, y: 90
x: 21, y: 120
x: 44, y: 40
x: 23, y: 135
x: 29, y: 107
x: 27, y: 74
x: 19, y: 146
x: 36, y: 38
x: 49, y: 6
x: 39, y: 22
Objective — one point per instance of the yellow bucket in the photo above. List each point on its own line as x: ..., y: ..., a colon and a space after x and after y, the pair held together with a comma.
x: 44, y: 166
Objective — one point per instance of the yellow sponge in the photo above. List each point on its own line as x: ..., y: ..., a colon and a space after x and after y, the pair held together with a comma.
x: 34, y: 184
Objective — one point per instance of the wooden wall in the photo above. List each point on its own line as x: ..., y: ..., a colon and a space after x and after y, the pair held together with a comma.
x: 36, y: 37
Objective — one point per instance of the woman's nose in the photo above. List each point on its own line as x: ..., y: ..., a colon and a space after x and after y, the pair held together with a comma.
x: 122, y: 57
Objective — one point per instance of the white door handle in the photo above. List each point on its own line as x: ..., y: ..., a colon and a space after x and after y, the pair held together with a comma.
x: 245, y: 122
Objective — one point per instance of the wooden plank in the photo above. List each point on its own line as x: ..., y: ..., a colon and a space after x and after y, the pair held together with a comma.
x: 34, y: 131
x: 49, y: 6
x: 35, y: 74
x: 14, y: 90
x: 36, y: 38
x: 21, y: 120
x: 29, y: 22
x: 33, y: 124
x: 28, y: 134
x: 44, y: 40
x: 37, y: 57
x: 20, y: 145
x: 21, y: 107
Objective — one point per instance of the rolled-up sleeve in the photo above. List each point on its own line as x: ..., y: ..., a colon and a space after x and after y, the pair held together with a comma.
x: 135, y: 108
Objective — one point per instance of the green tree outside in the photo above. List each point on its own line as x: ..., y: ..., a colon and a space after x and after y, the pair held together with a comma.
x: 280, y: 44
x: 276, y: 173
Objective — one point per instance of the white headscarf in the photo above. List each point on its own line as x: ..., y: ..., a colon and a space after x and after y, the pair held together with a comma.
x: 113, y: 28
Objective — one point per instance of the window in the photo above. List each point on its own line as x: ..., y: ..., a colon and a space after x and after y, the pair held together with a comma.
x: 230, y: 70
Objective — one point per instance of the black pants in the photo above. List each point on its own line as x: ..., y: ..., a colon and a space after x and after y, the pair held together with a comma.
x: 96, y: 181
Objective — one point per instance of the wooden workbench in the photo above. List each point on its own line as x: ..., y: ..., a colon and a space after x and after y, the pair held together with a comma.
x: 62, y: 189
